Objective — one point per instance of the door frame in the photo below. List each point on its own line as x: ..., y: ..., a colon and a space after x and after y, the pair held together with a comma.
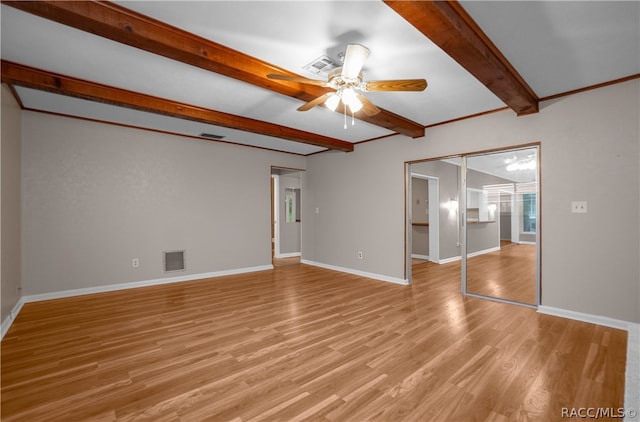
x: 434, y: 215
x: 275, y: 215
x: 463, y: 188
x: 462, y: 215
x: 275, y: 208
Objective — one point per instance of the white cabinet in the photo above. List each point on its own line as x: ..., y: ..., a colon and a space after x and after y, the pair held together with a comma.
x: 478, y: 206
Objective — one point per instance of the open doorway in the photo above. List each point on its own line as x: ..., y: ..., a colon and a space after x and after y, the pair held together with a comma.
x: 433, y: 233
x: 286, y: 221
x: 425, y: 244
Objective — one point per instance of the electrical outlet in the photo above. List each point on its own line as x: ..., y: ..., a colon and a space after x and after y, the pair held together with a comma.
x: 135, y: 262
x: 359, y: 254
x: 579, y: 207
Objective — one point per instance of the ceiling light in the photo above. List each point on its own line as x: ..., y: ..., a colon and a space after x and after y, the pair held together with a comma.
x: 522, y: 165
x: 355, y: 56
x: 332, y: 102
x: 350, y: 98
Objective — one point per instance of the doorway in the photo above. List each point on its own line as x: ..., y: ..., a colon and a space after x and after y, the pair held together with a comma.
x: 425, y: 217
x: 286, y: 216
x: 433, y: 233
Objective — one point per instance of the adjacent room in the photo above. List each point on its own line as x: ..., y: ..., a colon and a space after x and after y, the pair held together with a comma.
x: 322, y: 211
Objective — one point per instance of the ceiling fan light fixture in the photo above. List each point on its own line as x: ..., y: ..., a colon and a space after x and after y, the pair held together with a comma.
x: 355, y: 57
x: 350, y: 98
x: 332, y: 102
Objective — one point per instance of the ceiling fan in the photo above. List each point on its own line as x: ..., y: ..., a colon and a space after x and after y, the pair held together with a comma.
x: 349, y: 86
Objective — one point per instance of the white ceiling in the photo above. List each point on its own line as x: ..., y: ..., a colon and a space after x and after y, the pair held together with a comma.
x: 555, y: 46
x: 493, y: 163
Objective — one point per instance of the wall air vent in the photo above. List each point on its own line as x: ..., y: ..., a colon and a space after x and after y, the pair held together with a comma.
x: 173, y: 261
x: 322, y: 66
x: 211, y: 136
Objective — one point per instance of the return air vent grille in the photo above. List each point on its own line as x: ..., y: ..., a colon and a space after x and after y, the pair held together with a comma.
x: 173, y: 261
x: 323, y: 65
x: 211, y: 136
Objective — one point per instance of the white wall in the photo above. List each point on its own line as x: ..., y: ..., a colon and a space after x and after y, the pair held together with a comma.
x: 96, y: 196
x: 10, y: 203
x: 590, y: 151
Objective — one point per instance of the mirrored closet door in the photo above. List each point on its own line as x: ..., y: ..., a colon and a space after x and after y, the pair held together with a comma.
x: 500, y: 223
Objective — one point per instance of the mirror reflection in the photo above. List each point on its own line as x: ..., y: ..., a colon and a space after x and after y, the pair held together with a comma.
x: 434, y: 211
x: 501, y: 225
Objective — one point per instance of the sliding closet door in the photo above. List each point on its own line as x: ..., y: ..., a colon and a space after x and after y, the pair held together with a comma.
x: 500, y: 259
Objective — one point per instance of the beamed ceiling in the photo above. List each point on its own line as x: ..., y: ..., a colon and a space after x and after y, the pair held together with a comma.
x: 190, y: 68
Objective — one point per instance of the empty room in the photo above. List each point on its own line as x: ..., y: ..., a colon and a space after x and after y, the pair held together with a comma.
x: 320, y: 211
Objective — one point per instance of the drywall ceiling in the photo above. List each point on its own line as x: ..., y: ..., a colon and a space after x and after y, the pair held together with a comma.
x: 555, y: 46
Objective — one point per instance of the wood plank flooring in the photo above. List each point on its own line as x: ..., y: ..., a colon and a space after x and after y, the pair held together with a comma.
x: 303, y: 343
x: 509, y: 273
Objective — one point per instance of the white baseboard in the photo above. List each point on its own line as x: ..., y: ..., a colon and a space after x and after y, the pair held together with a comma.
x: 288, y: 255
x: 469, y: 255
x: 418, y: 256
x: 580, y: 316
x: 6, y: 324
x: 447, y: 260
x: 482, y: 252
x: 632, y: 371
x: 380, y: 277
x: 121, y: 286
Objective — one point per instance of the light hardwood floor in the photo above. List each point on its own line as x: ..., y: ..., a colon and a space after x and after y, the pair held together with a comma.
x: 509, y: 273
x: 303, y: 343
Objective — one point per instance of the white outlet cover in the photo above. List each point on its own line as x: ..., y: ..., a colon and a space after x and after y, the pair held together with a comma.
x: 579, y: 207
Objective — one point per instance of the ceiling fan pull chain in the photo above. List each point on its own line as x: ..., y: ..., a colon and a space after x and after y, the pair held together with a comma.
x: 345, y: 115
x: 353, y: 119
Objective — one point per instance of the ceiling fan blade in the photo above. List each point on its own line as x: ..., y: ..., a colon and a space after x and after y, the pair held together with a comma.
x: 397, y: 85
x: 317, y: 101
x: 368, y: 107
x: 354, y: 59
x: 300, y: 79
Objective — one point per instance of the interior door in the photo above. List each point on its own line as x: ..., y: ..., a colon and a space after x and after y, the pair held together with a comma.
x: 496, y: 266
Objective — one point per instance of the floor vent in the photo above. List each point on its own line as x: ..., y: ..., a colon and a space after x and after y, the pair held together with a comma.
x: 173, y: 261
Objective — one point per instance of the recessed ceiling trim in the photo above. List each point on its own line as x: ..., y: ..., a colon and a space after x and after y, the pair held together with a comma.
x: 448, y: 25
x: 128, y: 27
x: 13, y: 73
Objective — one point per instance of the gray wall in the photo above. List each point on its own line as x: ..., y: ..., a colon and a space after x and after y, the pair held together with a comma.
x: 480, y: 236
x: 505, y: 216
x: 96, y: 196
x: 10, y: 203
x: 590, y: 151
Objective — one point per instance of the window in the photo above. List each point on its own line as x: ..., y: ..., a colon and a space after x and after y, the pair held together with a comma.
x: 529, y: 212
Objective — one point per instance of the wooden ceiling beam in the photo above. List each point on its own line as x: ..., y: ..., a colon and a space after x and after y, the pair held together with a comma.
x: 449, y: 26
x: 17, y: 74
x: 120, y: 24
